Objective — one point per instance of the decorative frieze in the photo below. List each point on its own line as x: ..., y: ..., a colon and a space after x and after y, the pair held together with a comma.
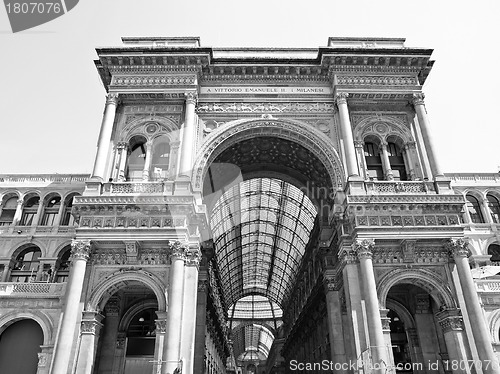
x: 152, y: 109
x: 407, y: 221
x: 266, y: 107
x: 156, y: 81
x: 376, y: 80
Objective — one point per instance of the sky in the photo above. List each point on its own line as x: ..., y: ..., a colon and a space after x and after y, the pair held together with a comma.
x: 51, y: 98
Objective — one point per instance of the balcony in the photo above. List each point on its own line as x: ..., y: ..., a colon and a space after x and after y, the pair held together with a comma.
x: 32, y: 290
x: 406, y: 187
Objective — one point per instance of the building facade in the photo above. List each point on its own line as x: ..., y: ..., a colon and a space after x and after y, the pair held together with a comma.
x: 254, y: 211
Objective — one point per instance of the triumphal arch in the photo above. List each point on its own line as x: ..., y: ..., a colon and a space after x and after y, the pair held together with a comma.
x: 268, y: 211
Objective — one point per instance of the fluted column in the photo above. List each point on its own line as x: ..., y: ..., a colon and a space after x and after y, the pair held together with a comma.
x: 378, y: 347
x: 80, y: 252
x: 386, y: 164
x: 188, y: 136
x: 89, y: 334
x: 105, y: 136
x: 175, y: 301
x: 423, y: 121
x: 123, y: 152
x: 346, y: 131
x: 193, y: 257
x: 458, y: 248
x: 334, y: 314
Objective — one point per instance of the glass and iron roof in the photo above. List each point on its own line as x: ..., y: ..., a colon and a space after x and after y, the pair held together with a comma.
x: 252, y: 342
x: 261, y: 228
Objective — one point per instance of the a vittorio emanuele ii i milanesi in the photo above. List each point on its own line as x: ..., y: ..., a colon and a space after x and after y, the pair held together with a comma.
x: 254, y: 210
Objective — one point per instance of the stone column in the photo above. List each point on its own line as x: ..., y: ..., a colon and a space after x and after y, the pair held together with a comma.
x: 423, y: 121
x: 352, y: 290
x: 60, y: 213
x: 451, y: 323
x: 123, y: 151
x: 410, y: 174
x: 80, y: 252
x: 160, y: 335
x: 119, y: 359
x: 386, y: 164
x: 108, y: 346
x: 460, y: 251
x: 188, y: 136
x: 346, y: 131
x: 201, y: 315
x: 38, y: 216
x: 147, y: 161
x: 89, y: 335
x: 379, y: 349
x: 360, y: 153
x: 483, y: 205
x: 386, y: 330
x: 411, y: 149
x: 193, y: 257
x: 334, y: 313
x: 414, y: 346
x: 18, y: 213
x: 103, y: 143
x: 175, y: 301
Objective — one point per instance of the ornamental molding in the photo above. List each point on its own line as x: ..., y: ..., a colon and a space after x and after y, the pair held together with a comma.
x: 42, y: 359
x: 265, y: 107
x: 138, y: 200
x: 80, y: 249
x: 418, y: 199
x: 376, y: 80
x: 381, y: 125
x: 405, y: 219
x: 318, y: 143
x: 152, y: 109
x: 156, y: 81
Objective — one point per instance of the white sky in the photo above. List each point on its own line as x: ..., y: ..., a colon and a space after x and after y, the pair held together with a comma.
x: 51, y: 98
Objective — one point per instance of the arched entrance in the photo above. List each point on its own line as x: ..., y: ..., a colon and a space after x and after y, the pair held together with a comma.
x: 426, y: 323
x: 19, y: 347
x: 264, y: 215
x: 128, y: 331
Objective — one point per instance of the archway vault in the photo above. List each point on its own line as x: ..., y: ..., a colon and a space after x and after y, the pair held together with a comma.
x: 425, y: 279
x: 295, y: 131
x: 104, y: 290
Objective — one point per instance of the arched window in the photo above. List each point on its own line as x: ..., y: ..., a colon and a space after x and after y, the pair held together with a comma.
x: 494, y: 251
x: 29, y: 211
x: 26, y: 265
x: 494, y: 206
x: 51, y: 210
x: 67, y: 218
x: 137, y: 158
x: 19, y: 347
x: 396, y: 159
x: 63, y: 265
x: 474, y: 209
x: 161, y: 157
x: 8, y: 211
x: 373, y: 161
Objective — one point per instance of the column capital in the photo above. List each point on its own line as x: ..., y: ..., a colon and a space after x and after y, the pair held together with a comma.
x: 91, y: 323
x: 410, y: 145
x: 122, y: 145
x: 359, y: 143
x: 80, y: 249
x: 341, y: 98
x: 418, y: 99
x: 364, y: 248
x: 112, y: 98
x: 193, y: 255
x: 450, y: 320
x: 348, y: 255
x: 457, y: 247
x: 191, y: 97
x: 161, y: 326
x: 203, y: 285
x: 331, y: 283
x: 20, y: 202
